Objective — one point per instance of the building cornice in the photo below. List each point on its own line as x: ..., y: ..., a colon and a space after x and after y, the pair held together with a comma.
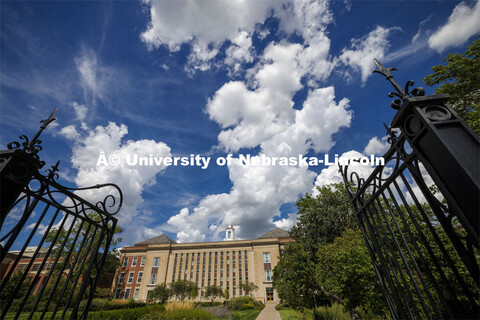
x: 206, y: 245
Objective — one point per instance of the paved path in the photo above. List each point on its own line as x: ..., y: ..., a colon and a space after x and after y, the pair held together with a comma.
x: 269, y: 312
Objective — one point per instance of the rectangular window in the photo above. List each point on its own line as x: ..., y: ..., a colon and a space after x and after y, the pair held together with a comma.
x: 266, y: 257
x: 140, y: 276
x: 127, y: 293
x: 121, y: 279
x: 125, y: 262
x: 117, y: 293
x: 130, y: 277
x: 156, y: 261
x: 153, y: 278
x: 134, y: 261
x: 21, y: 267
x: 268, y: 275
x: 142, y: 261
x: 135, y: 293
x: 35, y: 266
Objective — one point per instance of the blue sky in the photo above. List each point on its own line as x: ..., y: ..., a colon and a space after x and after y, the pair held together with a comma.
x: 212, y: 78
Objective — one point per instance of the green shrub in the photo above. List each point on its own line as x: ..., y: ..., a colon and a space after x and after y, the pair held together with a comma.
x: 333, y: 312
x: 179, y: 314
x: 244, y: 303
x: 125, y: 314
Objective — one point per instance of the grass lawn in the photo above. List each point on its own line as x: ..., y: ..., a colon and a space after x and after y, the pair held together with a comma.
x: 290, y: 314
x: 250, y: 314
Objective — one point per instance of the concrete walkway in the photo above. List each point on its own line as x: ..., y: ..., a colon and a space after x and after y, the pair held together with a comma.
x: 269, y: 312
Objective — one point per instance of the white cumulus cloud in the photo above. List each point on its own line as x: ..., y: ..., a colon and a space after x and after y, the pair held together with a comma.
x: 463, y: 23
x: 376, y: 146
x: 362, y: 51
x: 131, y: 179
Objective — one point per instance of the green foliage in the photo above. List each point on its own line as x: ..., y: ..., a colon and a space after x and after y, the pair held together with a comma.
x: 103, y: 293
x: 323, y: 218
x: 106, y: 304
x: 226, y: 294
x: 460, y: 78
x: 250, y: 314
x: 160, y: 294
x: 293, y: 277
x: 291, y: 314
x: 125, y: 314
x: 75, y: 256
x: 9, y: 290
x: 178, y: 314
x: 345, y: 269
x: 183, y: 288
x: 248, y: 287
x: 213, y: 291
x: 244, y: 303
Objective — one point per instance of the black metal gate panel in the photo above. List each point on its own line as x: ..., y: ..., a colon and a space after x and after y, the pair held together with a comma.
x: 53, y: 242
x: 423, y: 245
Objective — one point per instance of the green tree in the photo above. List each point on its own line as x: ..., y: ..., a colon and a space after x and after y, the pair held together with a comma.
x: 248, y: 287
x: 212, y: 292
x: 294, y: 278
x: 9, y: 290
x: 345, y: 270
x: 72, y: 249
x: 323, y: 218
x: 183, y: 289
x: 460, y: 78
x: 161, y: 293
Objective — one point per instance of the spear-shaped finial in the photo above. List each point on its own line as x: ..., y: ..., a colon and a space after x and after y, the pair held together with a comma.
x: 386, y: 72
x: 45, y: 122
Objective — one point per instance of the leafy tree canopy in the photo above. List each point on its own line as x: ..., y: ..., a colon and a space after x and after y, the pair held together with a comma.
x: 322, y: 218
x: 248, y: 287
x: 345, y: 270
x: 460, y: 78
x: 212, y: 292
x: 183, y: 289
x: 161, y: 293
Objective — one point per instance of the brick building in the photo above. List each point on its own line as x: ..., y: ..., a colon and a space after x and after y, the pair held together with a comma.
x: 223, y: 263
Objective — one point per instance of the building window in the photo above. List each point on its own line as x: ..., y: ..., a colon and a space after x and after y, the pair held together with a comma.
x: 268, y: 275
x: 140, y: 276
x: 125, y: 262
x: 130, y: 277
x: 35, y: 266
x: 142, y: 261
x: 127, y: 293
x: 156, y: 261
x: 121, y: 279
x: 153, y: 278
x: 134, y: 261
x: 117, y: 293
x: 21, y: 267
x: 135, y: 293
x: 266, y: 257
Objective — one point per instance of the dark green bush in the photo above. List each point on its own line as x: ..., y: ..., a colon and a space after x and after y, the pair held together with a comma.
x: 208, y: 304
x: 244, y: 303
x: 196, y: 314
x: 125, y: 314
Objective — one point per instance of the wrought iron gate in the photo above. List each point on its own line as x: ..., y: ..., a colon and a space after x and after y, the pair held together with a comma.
x: 419, y: 212
x: 53, y: 242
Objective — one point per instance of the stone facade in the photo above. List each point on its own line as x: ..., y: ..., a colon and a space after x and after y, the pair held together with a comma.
x: 223, y: 263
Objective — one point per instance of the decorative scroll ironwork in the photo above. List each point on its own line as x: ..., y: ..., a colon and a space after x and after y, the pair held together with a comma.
x: 401, y: 93
x: 54, y: 241
x: 32, y: 147
x: 421, y: 273
x: 422, y: 237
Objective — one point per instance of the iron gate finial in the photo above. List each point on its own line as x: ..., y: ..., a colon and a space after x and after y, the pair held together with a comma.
x: 401, y: 93
x: 32, y: 147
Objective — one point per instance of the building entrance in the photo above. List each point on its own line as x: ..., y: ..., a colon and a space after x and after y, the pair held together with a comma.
x: 269, y: 294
